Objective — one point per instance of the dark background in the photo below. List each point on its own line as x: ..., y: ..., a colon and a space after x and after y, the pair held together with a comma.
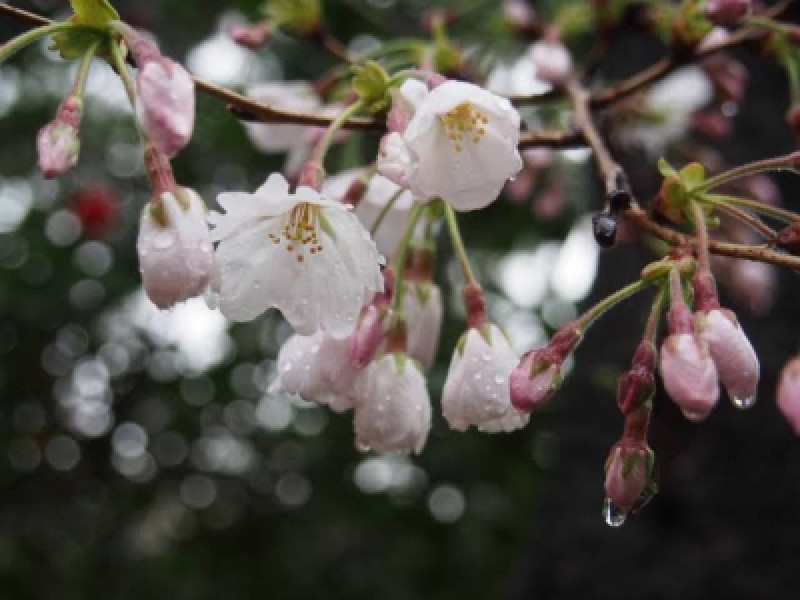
x: 292, y: 523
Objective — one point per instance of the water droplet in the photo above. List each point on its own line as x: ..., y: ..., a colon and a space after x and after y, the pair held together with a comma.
x: 499, y: 379
x: 257, y: 285
x: 163, y: 240
x: 286, y: 367
x: 743, y: 403
x: 205, y: 247
x: 477, y: 376
x: 143, y: 252
x: 307, y: 368
x: 314, y: 348
x: 613, y: 516
x: 486, y: 356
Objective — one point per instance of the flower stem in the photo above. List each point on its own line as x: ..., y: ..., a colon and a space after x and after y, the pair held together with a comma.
x: 122, y: 71
x: 385, y: 211
x: 588, y: 318
x: 324, y: 144
x: 83, y: 69
x: 770, y: 164
x: 758, y: 207
x: 400, y: 263
x: 701, y: 230
x: 651, y: 328
x: 16, y: 44
x: 458, y: 243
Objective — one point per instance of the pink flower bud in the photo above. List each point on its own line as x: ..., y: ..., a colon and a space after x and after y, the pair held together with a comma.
x: 726, y: 12
x: 58, y: 143
x: 637, y: 385
x: 367, y: 338
x: 251, y: 36
x: 628, y: 469
x: 712, y: 124
x: 733, y: 355
x: 689, y: 374
x: 518, y: 14
x: 165, y: 104
x: 175, y: 255
x: 538, y: 375
x: 534, y: 381
x: 788, y: 396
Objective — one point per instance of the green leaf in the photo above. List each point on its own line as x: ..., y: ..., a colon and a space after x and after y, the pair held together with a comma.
x: 93, y: 12
x: 692, y: 175
x: 665, y: 168
x: 74, y: 43
x: 371, y: 83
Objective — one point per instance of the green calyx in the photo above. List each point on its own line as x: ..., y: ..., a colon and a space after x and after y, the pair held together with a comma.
x: 299, y: 17
x: 679, y: 190
x: 371, y: 83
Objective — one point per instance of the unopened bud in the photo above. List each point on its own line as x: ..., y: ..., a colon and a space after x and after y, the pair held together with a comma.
x: 628, y: 470
x: 726, y: 12
x: 58, y: 143
x: 251, y: 36
x: 788, y: 396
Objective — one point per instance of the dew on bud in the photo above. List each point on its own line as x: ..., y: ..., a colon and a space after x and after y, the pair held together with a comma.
x: 613, y: 516
x: 743, y: 403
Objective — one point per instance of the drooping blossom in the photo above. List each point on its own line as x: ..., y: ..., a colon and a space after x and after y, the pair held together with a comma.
x: 58, y: 144
x: 174, y: 247
x: 278, y: 138
x: 422, y: 305
x: 393, y: 409
x: 476, y: 391
x: 788, y: 396
x: 317, y: 369
x: 537, y: 377
x: 460, y: 145
x: 300, y: 252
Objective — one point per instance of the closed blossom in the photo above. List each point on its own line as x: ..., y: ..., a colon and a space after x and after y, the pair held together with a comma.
x: 393, y: 409
x: 476, y: 390
x: 689, y: 374
x: 174, y: 247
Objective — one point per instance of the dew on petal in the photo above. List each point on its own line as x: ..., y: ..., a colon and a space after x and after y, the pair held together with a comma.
x: 613, y: 516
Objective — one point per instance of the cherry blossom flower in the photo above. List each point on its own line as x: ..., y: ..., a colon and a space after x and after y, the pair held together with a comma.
x: 278, y: 138
x: 476, y: 391
x: 393, y: 410
x: 174, y: 246
x: 316, y: 368
x: 58, y: 144
x: 733, y: 355
x: 460, y: 145
x: 299, y: 252
x: 422, y: 305
x: 788, y: 396
x: 165, y: 104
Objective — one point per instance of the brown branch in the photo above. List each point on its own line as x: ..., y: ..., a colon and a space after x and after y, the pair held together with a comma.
x: 750, y: 220
x: 551, y: 139
x: 618, y: 190
x: 668, y: 64
x: 761, y: 253
x: 241, y: 105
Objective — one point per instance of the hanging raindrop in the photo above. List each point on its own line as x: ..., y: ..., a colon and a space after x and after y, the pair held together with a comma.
x: 614, y: 517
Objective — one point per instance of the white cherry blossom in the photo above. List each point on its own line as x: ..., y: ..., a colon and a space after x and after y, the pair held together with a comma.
x: 460, y: 145
x: 476, y: 391
x: 299, y: 252
x: 393, y: 409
